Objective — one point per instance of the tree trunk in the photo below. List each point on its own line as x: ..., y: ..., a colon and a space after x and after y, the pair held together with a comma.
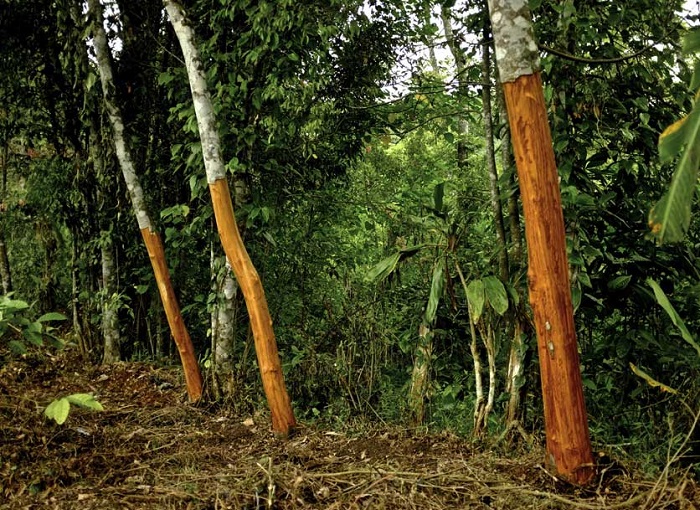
x: 480, y: 401
x: 154, y: 245
x: 223, y: 326
x: 568, y: 442
x: 265, y: 343
x: 5, y: 274
x: 460, y: 64
x: 420, y: 377
x: 496, y: 208
x: 110, y: 307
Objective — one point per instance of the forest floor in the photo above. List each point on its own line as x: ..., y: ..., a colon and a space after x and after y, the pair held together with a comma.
x: 150, y: 449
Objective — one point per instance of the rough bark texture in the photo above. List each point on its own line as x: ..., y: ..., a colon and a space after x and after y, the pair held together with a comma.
x: 223, y: 326
x: 193, y: 378
x: 568, y: 441
x: 516, y: 50
x: 110, y: 322
x: 420, y: 376
x: 261, y: 323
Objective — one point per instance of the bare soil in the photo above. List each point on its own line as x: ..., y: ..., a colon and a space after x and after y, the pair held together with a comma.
x: 150, y: 449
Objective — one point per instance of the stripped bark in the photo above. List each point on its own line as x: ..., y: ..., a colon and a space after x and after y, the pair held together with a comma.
x: 154, y: 245
x: 282, y: 415
x: 568, y: 441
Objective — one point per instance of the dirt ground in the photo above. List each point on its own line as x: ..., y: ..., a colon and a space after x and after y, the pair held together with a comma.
x: 150, y: 449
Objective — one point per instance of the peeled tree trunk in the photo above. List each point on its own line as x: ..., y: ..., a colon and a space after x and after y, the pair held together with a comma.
x: 154, y: 245
x: 261, y: 323
x: 566, y: 424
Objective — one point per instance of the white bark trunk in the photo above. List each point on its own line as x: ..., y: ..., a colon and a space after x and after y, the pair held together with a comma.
x: 211, y: 149
x: 110, y: 320
x: 115, y: 118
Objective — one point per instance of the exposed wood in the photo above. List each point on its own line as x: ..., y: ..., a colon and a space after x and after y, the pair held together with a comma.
x: 151, y: 238
x: 156, y: 253
x: 261, y: 323
x: 568, y: 442
x: 281, y: 411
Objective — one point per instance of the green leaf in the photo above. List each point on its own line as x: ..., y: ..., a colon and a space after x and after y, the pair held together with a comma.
x: 476, y: 298
x: 449, y: 137
x: 662, y: 299
x: 436, y: 288
x: 695, y: 80
x: 58, y: 410
x: 17, y: 347
x: 14, y: 304
x: 438, y: 194
x: 52, y: 316
x: 650, y: 380
x: 691, y: 43
x: 496, y: 294
x: 670, y: 217
x: 384, y: 268
x: 620, y: 282
x: 85, y: 400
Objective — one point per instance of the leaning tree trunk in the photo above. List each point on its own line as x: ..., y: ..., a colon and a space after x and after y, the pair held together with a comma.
x: 261, y: 323
x: 568, y: 441
x: 154, y: 245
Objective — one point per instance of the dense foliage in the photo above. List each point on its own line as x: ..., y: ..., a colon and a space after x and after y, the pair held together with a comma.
x: 359, y: 158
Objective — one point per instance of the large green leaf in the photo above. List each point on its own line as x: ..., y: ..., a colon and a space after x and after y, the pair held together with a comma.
x: 670, y: 217
x: 58, y: 410
x: 384, y: 268
x: 476, y: 298
x: 662, y: 299
x: 438, y: 194
x: 436, y: 288
x: 85, y: 400
x: 387, y: 266
x: 52, y: 316
x: 496, y: 294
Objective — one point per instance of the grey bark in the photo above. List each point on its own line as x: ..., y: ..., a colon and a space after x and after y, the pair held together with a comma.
x: 516, y: 51
x: 211, y: 147
x: 110, y: 304
x: 115, y: 117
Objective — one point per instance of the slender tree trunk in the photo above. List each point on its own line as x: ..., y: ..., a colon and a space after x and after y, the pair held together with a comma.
x: 480, y: 401
x: 265, y: 343
x: 496, y: 208
x: 420, y: 377
x: 568, y: 441
x: 154, y: 245
x: 515, y: 378
x: 460, y: 66
x: 223, y: 326
x: 110, y: 319
x: 5, y: 273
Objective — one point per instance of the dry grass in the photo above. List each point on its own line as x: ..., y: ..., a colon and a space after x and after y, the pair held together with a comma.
x: 151, y: 450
